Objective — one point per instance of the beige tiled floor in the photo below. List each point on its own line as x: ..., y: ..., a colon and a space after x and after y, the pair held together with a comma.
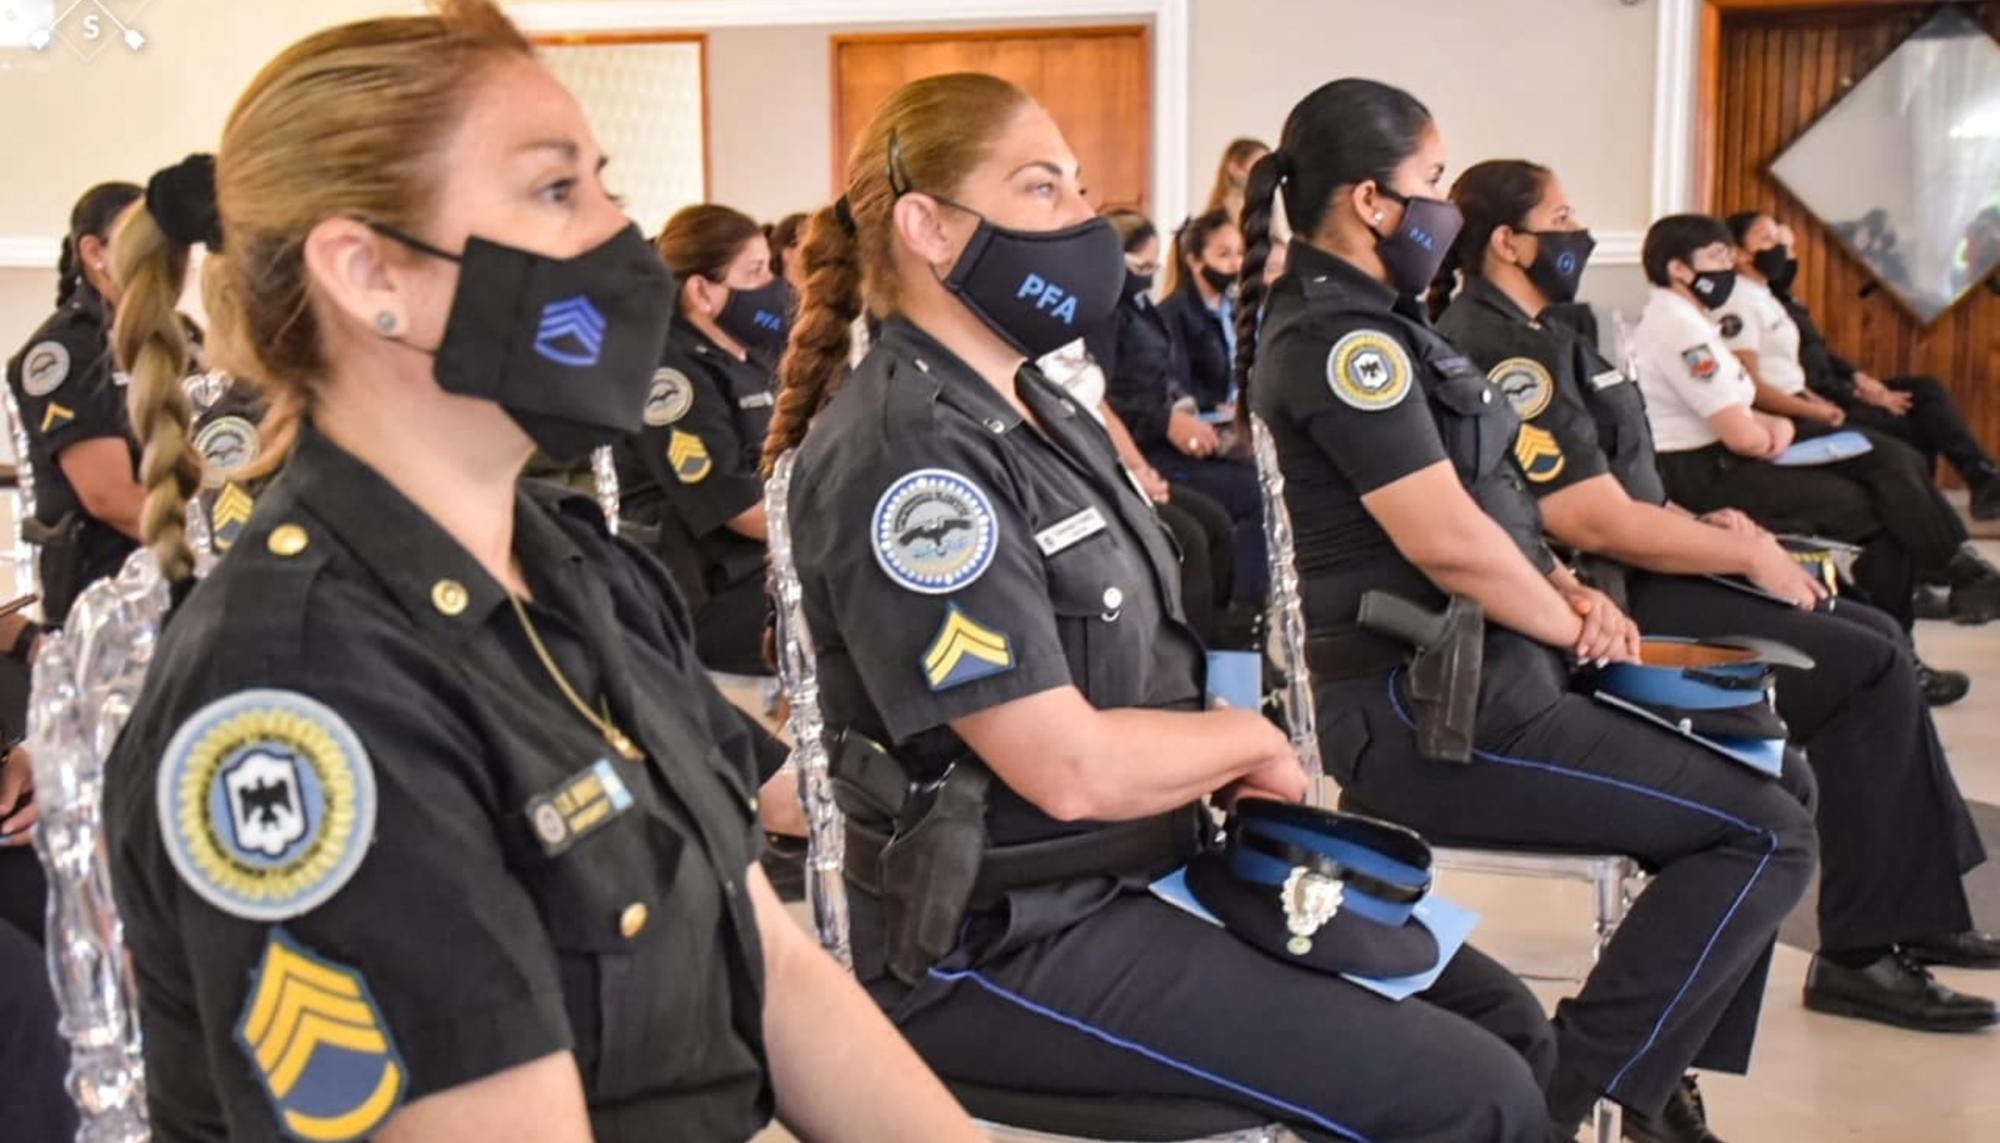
x: 1816, y: 1079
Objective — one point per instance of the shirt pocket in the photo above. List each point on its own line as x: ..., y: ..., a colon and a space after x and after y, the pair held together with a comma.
x: 1096, y: 589
x: 604, y: 901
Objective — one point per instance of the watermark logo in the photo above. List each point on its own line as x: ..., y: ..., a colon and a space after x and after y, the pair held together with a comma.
x: 85, y: 27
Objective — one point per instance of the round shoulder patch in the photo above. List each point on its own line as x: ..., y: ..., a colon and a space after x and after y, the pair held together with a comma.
x: 935, y: 531
x: 671, y: 398
x: 227, y: 444
x: 44, y: 368
x: 1732, y: 324
x: 1369, y: 370
x: 267, y: 803
x: 1527, y: 383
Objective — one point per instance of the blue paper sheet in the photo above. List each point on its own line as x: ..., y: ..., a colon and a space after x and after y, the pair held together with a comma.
x: 1237, y: 678
x: 1829, y: 449
x: 1450, y: 924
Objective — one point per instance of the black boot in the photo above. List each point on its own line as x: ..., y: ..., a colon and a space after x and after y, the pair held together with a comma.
x: 1683, y: 1120
x: 1942, y: 688
x: 1931, y: 602
x: 1975, y: 588
x: 1986, y: 497
x: 1894, y: 989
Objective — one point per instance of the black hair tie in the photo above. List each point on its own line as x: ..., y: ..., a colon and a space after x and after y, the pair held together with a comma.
x: 181, y: 198
x: 1284, y: 163
x: 844, y: 214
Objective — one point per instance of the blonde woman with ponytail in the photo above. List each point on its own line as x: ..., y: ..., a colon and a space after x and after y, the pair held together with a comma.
x: 1004, y: 654
x: 72, y: 407
x: 428, y: 824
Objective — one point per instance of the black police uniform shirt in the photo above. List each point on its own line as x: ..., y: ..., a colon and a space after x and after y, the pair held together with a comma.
x: 1581, y: 415
x: 696, y: 460
x: 69, y: 391
x: 956, y: 556
x: 1359, y: 392
x: 366, y: 851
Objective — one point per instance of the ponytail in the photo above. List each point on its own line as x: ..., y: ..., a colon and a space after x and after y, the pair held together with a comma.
x: 1445, y: 285
x: 1260, y: 196
x: 95, y: 210
x: 816, y: 360
x: 151, y: 344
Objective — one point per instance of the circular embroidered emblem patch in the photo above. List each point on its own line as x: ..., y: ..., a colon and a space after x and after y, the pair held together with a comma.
x: 1368, y: 370
x: 267, y: 803
x: 1527, y: 383
x: 934, y: 531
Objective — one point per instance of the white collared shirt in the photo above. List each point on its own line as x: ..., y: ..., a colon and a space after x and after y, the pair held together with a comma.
x: 1686, y: 372
x: 1755, y: 321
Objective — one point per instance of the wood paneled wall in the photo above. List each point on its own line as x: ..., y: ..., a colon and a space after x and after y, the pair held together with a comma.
x: 1771, y: 73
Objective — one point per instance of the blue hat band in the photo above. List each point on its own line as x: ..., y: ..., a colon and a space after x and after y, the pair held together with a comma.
x: 1375, y: 887
x: 1678, y: 687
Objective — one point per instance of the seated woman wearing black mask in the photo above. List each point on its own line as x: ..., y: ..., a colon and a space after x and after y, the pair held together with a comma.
x: 994, y: 603
x: 1894, y: 832
x: 1401, y: 476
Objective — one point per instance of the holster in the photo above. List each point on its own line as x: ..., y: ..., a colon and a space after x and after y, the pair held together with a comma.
x: 926, y: 870
x: 1443, y: 677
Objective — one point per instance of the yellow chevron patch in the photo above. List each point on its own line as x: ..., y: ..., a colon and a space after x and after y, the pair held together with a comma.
x: 964, y: 650
x: 232, y: 510
x: 57, y: 415
x: 319, y: 1045
x: 1539, y: 455
x: 688, y: 457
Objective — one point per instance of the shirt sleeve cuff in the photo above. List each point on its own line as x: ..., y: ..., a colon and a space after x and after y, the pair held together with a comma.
x: 914, y: 712
x: 453, y: 1052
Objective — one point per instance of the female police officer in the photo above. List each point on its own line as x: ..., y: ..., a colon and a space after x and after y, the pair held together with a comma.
x: 1392, y: 445
x: 427, y: 825
x: 72, y: 407
x: 1895, y: 834
x: 996, y: 606
x: 692, y: 471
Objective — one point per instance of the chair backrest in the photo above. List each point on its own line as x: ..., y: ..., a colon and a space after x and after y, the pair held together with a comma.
x: 798, y: 670
x: 27, y: 570
x: 87, y: 679
x: 604, y: 474
x: 1287, y: 611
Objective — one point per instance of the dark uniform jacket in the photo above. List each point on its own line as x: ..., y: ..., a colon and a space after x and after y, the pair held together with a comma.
x: 1359, y: 392
x: 956, y: 556
x: 694, y: 466
x: 1145, y: 370
x: 68, y: 391
x: 366, y: 850
x: 1204, y: 345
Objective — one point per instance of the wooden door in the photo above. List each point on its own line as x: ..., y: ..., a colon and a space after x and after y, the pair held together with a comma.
x: 1095, y: 81
x: 1770, y: 74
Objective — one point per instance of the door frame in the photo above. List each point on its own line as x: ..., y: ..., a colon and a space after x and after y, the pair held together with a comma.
x: 576, y: 39
x: 945, y: 35
x: 1168, y: 37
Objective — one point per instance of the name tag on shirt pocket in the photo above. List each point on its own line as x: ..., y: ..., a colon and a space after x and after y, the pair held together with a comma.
x: 585, y: 803
x: 755, y: 401
x: 1607, y: 379
x: 1070, y: 532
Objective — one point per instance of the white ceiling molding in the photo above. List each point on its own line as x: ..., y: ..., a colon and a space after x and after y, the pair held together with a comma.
x: 1169, y: 39
x: 1675, y: 73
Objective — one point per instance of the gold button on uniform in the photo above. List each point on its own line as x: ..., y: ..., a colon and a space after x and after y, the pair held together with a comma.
x: 288, y: 540
x: 450, y: 598
x: 633, y: 920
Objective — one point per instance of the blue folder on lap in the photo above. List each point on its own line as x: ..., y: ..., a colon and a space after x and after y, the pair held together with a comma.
x: 1829, y: 449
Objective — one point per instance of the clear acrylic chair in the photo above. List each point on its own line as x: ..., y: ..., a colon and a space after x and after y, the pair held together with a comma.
x: 1005, y: 1114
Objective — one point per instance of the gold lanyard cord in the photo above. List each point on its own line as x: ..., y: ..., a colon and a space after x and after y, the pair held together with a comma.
x: 603, y: 723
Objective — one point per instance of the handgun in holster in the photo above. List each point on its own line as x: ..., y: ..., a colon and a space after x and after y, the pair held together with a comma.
x: 1443, y: 678
x: 927, y: 866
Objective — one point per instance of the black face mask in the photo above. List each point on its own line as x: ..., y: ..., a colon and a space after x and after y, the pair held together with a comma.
x: 1136, y: 284
x: 1778, y: 267
x: 1418, y: 247
x: 758, y: 318
x: 1040, y: 289
x: 1713, y: 287
x: 1560, y: 257
x: 567, y: 346
x: 1217, y: 280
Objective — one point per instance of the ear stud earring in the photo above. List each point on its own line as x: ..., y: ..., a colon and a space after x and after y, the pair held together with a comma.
x: 385, y: 323
x: 1378, y: 216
